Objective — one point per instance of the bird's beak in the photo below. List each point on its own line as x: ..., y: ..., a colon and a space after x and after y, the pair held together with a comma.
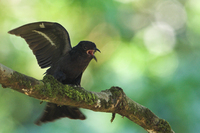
x: 91, y: 52
x: 96, y: 49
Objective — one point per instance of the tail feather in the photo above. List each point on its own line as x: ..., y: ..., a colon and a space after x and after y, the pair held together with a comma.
x: 53, y: 112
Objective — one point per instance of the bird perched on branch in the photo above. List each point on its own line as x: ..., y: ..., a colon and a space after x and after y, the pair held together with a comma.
x: 51, y: 45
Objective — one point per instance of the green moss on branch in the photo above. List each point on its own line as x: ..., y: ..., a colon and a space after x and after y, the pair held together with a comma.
x: 57, y: 91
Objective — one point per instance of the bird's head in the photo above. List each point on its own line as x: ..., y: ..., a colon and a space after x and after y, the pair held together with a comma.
x: 89, y: 48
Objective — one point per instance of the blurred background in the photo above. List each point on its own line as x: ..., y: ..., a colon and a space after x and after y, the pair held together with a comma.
x: 149, y: 48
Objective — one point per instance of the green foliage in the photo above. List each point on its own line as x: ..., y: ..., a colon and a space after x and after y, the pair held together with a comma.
x: 149, y: 48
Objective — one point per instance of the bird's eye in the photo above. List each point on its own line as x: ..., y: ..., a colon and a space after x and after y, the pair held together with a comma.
x: 84, y: 47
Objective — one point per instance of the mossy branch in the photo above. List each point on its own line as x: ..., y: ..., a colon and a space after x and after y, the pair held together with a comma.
x: 113, y: 100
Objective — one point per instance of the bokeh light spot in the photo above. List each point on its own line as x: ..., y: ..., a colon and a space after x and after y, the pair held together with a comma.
x: 159, y: 38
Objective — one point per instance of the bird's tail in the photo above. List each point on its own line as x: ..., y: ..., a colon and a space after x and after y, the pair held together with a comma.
x: 53, y: 112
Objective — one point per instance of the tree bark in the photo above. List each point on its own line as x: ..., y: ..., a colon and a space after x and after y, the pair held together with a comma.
x: 112, y: 100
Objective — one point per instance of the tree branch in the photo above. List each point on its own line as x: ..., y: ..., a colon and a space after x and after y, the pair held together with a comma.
x: 113, y: 100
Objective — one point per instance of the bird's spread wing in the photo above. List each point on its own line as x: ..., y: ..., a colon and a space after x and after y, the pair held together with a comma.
x: 47, y: 40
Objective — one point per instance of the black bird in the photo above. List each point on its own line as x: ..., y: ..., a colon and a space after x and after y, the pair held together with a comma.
x: 51, y: 45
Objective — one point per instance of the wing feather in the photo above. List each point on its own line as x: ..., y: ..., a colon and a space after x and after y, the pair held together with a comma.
x: 48, y: 41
